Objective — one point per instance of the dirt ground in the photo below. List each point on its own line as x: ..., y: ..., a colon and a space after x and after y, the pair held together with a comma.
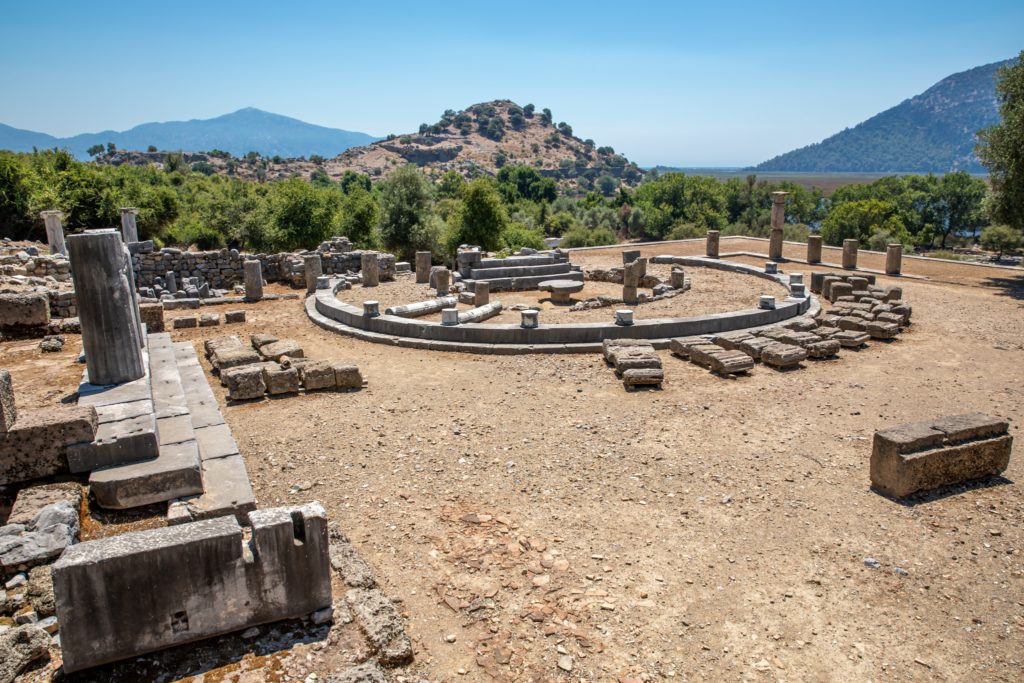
x: 531, y: 513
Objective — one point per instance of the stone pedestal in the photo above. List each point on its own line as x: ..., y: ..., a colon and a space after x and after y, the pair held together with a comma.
x: 253, y: 279
x: 482, y: 294
x: 771, y: 267
x: 371, y: 309
x: 894, y: 259
x: 814, y: 249
x: 54, y: 231
x: 106, y: 305
x: 450, y: 316
x: 128, y: 228
x: 712, y: 245
x: 850, y: 253
x: 796, y: 278
x: 314, y: 269
x: 630, y: 255
x: 629, y: 295
x: 441, y: 280
x: 624, y: 317
x: 369, y: 269
x: 530, y: 319
x: 323, y: 282
x: 422, y: 266
x: 678, y: 278
x: 767, y: 302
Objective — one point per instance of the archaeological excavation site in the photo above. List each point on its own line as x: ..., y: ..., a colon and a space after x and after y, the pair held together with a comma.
x: 713, y: 459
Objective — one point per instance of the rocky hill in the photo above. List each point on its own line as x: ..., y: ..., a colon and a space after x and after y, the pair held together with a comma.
x: 931, y: 132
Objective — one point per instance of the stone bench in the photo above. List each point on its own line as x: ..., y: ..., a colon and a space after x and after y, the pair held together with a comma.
x: 561, y: 290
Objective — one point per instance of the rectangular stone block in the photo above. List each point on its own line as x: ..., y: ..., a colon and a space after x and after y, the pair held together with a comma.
x: 646, y: 376
x: 316, y: 375
x: 346, y: 374
x: 211, y: 581
x: 211, y: 346
x: 851, y: 338
x: 823, y: 348
x: 215, y: 442
x: 280, y: 380
x: 701, y: 353
x: 730, y: 341
x: 681, y: 345
x: 752, y: 347
x: 228, y: 492
x: 175, y: 473
x: 244, y: 382
x: 234, y: 317
x: 261, y: 339
x: 228, y: 356
x: 839, y: 289
x: 8, y: 408
x: 882, y: 330
x: 116, y: 443
x: 209, y: 320
x: 731, y: 362
x: 610, y: 346
x: 799, y: 338
x: 285, y: 347
x: 153, y: 316
x: 24, y: 311
x: 783, y: 355
x: 851, y: 323
x: 36, y: 446
x: 925, y: 455
x: 637, y: 361
x: 184, y: 322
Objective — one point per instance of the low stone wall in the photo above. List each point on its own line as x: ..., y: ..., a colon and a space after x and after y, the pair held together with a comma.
x: 25, y: 265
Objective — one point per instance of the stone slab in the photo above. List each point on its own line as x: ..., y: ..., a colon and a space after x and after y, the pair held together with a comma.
x: 730, y: 362
x: 638, y: 377
x: 228, y: 492
x: 284, y: 347
x: 175, y: 473
x: 116, y: 443
x: 36, y: 446
x: 244, y: 382
x: 177, y: 429
x: 32, y: 499
x: 783, y: 355
x: 215, y: 442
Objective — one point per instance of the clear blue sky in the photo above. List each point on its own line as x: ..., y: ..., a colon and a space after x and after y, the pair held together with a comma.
x: 674, y: 83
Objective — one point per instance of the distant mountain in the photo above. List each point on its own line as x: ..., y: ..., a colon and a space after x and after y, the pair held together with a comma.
x: 933, y: 131
x: 239, y: 133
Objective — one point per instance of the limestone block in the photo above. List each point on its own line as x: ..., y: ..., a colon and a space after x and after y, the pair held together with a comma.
x: 803, y: 324
x: 839, y: 289
x: 36, y: 446
x: 234, y: 317
x: 925, y: 455
x: 893, y: 293
x: 629, y: 295
x: 317, y: 375
x: 229, y: 356
x: 422, y: 266
x: 886, y: 317
x: 24, y: 311
x: 611, y: 346
x: 33, y: 499
x: 711, y: 247
x: 631, y: 274
x: 851, y: 338
x: 177, y: 472
x: 826, y: 332
x: 280, y: 380
x: 851, y: 323
x: 244, y: 381
x: 8, y: 409
x: 681, y: 345
x: 209, y: 320
x: 380, y: 622
x: 116, y: 443
x: 850, y: 253
x: 826, y: 285
x: 21, y: 645
x: 730, y: 362
x: 823, y: 348
x: 285, y: 347
x: 153, y: 316
x: 903, y: 309
x: 637, y: 361
x: 261, y: 340
x: 882, y: 330
x: 701, y: 353
x: 783, y: 355
x: 630, y: 255
x: 228, y: 492
x: 753, y: 347
x: 678, y: 278
x: 647, y: 376
x: 211, y: 346
x: 184, y: 322
x: 799, y: 338
x: 859, y: 283
x: 346, y: 374
x: 730, y: 341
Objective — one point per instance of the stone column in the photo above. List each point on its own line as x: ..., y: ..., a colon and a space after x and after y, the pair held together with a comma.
x: 169, y: 284
x: 712, y: 247
x: 128, y: 227
x: 814, y: 249
x: 441, y: 279
x: 678, y: 280
x: 529, y: 319
x: 54, y: 231
x: 778, y: 220
x: 630, y: 281
x: 129, y: 272
x: 850, y: 253
x: 482, y: 293
x: 314, y: 269
x: 253, y: 279
x: 371, y: 309
x: 106, y: 307
x: 368, y: 266
x: 894, y: 259
x: 422, y: 267
x: 630, y: 255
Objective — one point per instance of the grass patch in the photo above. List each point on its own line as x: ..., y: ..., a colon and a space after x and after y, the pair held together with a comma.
x: 946, y: 255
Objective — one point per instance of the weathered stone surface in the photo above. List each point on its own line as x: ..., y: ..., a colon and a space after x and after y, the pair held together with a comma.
x: 24, y: 311
x: 882, y: 330
x: 8, y: 408
x: 730, y: 362
x: 851, y: 323
x: 611, y: 346
x: 381, y: 624
x: 211, y: 346
x: 228, y: 492
x: 783, y: 355
x: 648, y: 376
x: 280, y: 380
x: 346, y: 374
x: 285, y: 347
x: 354, y: 570
x: 701, y: 353
x: 19, y: 647
x: 423, y: 266
x: 153, y: 317
x: 36, y: 446
x: 823, y: 349
x: 730, y: 341
x: 209, y: 583
x: 799, y: 338
x: 260, y: 340
x: 753, y: 347
x: 116, y: 443
x: 215, y: 442
x: 34, y: 498
x: 317, y: 375
x: 209, y: 320
x: 39, y: 544
x: 851, y: 338
x: 39, y: 591
x: 637, y: 361
x: 244, y: 382
x: 228, y: 356
x: 234, y: 317
x: 176, y: 473
x: 184, y: 322
x: 364, y: 673
x: 925, y: 455
x: 253, y: 276
x: 681, y: 345
x: 839, y: 289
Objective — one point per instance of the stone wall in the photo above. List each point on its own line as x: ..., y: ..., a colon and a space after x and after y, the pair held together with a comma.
x: 24, y: 264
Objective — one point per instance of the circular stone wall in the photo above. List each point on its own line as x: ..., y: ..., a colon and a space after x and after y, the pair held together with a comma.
x: 326, y: 310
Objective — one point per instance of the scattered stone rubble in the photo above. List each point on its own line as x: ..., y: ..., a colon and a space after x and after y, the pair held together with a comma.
x: 635, y: 361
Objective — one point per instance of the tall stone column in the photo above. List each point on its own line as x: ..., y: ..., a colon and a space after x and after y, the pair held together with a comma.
x: 169, y: 284
x: 441, y: 280
x: 54, y: 231
x: 814, y: 249
x: 482, y: 293
x: 778, y: 220
x: 369, y: 268
x: 422, y: 267
x: 314, y: 269
x: 253, y: 273
x: 850, y: 253
x: 106, y: 307
x: 712, y: 246
x: 894, y: 258
x: 630, y: 281
x: 128, y: 228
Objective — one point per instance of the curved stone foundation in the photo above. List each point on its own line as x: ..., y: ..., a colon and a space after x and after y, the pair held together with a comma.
x: 325, y: 310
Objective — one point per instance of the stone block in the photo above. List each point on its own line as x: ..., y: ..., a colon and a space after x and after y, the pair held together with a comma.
x: 215, y: 442
x: 381, y: 624
x: 19, y: 647
x: 753, y: 347
x: 903, y: 309
x: 280, y: 380
x: 730, y: 341
x: 701, y: 353
x: 823, y: 348
x: 646, y: 376
x: 228, y: 492
x: 8, y: 408
x: 24, y: 311
x: 730, y: 362
x: 681, y: 345
x: 234, y: 317
x: 317, y: 375
x: 346, y: 374
x: 177, y: 472
x: 839, y: 289
x: 893, y: 293
x: 153, y: 316
x: 244, y: 382
x: 184, y: 322
x: 886, y: 317
x: 826, y: 285
x: 851, y: 323
x: 638, y: 361
x: 882, y: 330
x: 345, y: 560
x: 926, y: 455
x: 285, y: 347
x: 209, y: 320
x: 211, y: 581
x: 36, y: 446
x: 211, y: 346
x: 611, y: 346
x: 801, y: 339
x: 116, y: 443
x: 851, y: 338
x: 783, y: 355
x: 261, y: 340
x: 34, y: 498
x: 227, y: 357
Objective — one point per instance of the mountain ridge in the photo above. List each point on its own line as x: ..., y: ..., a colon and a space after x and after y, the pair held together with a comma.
x: 238, y: 132
x: 930, y: 132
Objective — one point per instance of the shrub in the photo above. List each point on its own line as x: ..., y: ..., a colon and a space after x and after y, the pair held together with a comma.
x: 94, y: 150
x: 151, y: 148
x: 1000, y: 239
x: 204, y: 167
x: 517, y: 236
x: 203, y: 237
x: 582, y: 237
x: 528, y: 111
x: 405, y: 139
x: 945, y: 255
x: 315, y: 158
x: 686, y: 231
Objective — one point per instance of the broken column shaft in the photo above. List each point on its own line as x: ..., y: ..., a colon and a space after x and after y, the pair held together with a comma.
x: 54, y: 231
x: 128, y: 228
x: 778, y: 220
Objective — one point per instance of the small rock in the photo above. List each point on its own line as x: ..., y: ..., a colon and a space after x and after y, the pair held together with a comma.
x: 18, y: 580
x: 29, y: 617
x: 451, y: 639
x: 49, y: 624
x: 726, y: 500
x: 872, y: 562
x: 250, y: 633
x: 324, y: 616
x: 565, y: 663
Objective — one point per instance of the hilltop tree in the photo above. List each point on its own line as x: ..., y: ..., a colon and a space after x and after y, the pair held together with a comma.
x: 94, y: 150
x: 528, y: 111
x: 565, y: 128
x: 546, y: 117
x: 111, y: 148
x: 361, y: 216
x: 151, y: 148
x: 351, y: 180
x: 999, y: 148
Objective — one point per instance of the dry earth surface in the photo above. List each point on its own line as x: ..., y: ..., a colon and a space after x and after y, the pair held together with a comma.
x: 539, y: 523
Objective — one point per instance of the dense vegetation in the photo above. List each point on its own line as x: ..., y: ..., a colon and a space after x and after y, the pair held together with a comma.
x: 409, y: 211
x: 1001, y: 149
x: 932, y: 131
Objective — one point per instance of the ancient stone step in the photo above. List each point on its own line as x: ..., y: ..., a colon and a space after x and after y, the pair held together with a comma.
x: 518, y: 271
x: 522, y: 282
x: 730, y: 362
